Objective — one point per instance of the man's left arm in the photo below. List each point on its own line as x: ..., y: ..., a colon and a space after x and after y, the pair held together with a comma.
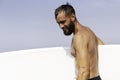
x: 82, y: 57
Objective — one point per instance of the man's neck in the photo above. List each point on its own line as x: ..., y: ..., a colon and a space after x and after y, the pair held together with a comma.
x: 78, y: 27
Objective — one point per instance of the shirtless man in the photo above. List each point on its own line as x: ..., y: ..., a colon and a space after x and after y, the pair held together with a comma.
x: 84, y: 43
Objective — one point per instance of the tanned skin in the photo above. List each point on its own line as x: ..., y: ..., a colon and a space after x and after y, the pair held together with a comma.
x: 84, y: 47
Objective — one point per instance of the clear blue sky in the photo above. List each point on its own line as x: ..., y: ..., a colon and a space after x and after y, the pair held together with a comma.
x: 28, y: 24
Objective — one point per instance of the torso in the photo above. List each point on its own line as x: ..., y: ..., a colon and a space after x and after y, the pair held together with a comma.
x: 92, y: 51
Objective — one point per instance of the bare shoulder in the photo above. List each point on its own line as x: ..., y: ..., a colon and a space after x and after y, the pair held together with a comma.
x: 82, y: 36
x: 84, y: 33
x: 92, y: 34
x: 85, y: 36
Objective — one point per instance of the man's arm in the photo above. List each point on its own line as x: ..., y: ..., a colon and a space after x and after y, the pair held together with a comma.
x: 82, y: 57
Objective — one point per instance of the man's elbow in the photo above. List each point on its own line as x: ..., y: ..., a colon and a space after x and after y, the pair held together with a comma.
x: 100, y: 42
x: 83, y: 74
x: 86, y: 75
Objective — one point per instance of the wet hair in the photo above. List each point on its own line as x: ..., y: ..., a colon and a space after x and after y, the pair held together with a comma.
x: 67, y: 8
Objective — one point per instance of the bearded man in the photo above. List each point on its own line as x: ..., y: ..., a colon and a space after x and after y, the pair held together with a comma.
x: 84, y: 43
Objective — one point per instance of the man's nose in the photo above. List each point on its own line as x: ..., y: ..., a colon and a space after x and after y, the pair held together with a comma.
x: 61, y: 25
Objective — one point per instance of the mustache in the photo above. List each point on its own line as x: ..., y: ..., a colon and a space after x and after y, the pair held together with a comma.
x: 65, y: 28
x: 68, y: 29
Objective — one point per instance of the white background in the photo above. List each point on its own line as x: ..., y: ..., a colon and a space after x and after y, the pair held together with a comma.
x: 55, y: 64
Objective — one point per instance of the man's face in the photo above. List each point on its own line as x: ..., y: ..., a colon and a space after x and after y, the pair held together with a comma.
x: 65, y: 23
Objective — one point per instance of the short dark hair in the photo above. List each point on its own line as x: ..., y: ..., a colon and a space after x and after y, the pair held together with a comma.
x: 67, y: 8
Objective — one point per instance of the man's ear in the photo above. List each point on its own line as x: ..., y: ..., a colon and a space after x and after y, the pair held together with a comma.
x: 73, y: 17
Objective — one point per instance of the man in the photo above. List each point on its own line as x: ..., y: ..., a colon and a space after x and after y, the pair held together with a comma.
x: 84, y: 43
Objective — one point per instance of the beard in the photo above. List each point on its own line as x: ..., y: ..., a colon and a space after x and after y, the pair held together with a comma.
x: 68, y: 30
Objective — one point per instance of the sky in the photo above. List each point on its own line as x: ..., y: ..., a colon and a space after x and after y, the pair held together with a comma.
x: 30, y: 24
